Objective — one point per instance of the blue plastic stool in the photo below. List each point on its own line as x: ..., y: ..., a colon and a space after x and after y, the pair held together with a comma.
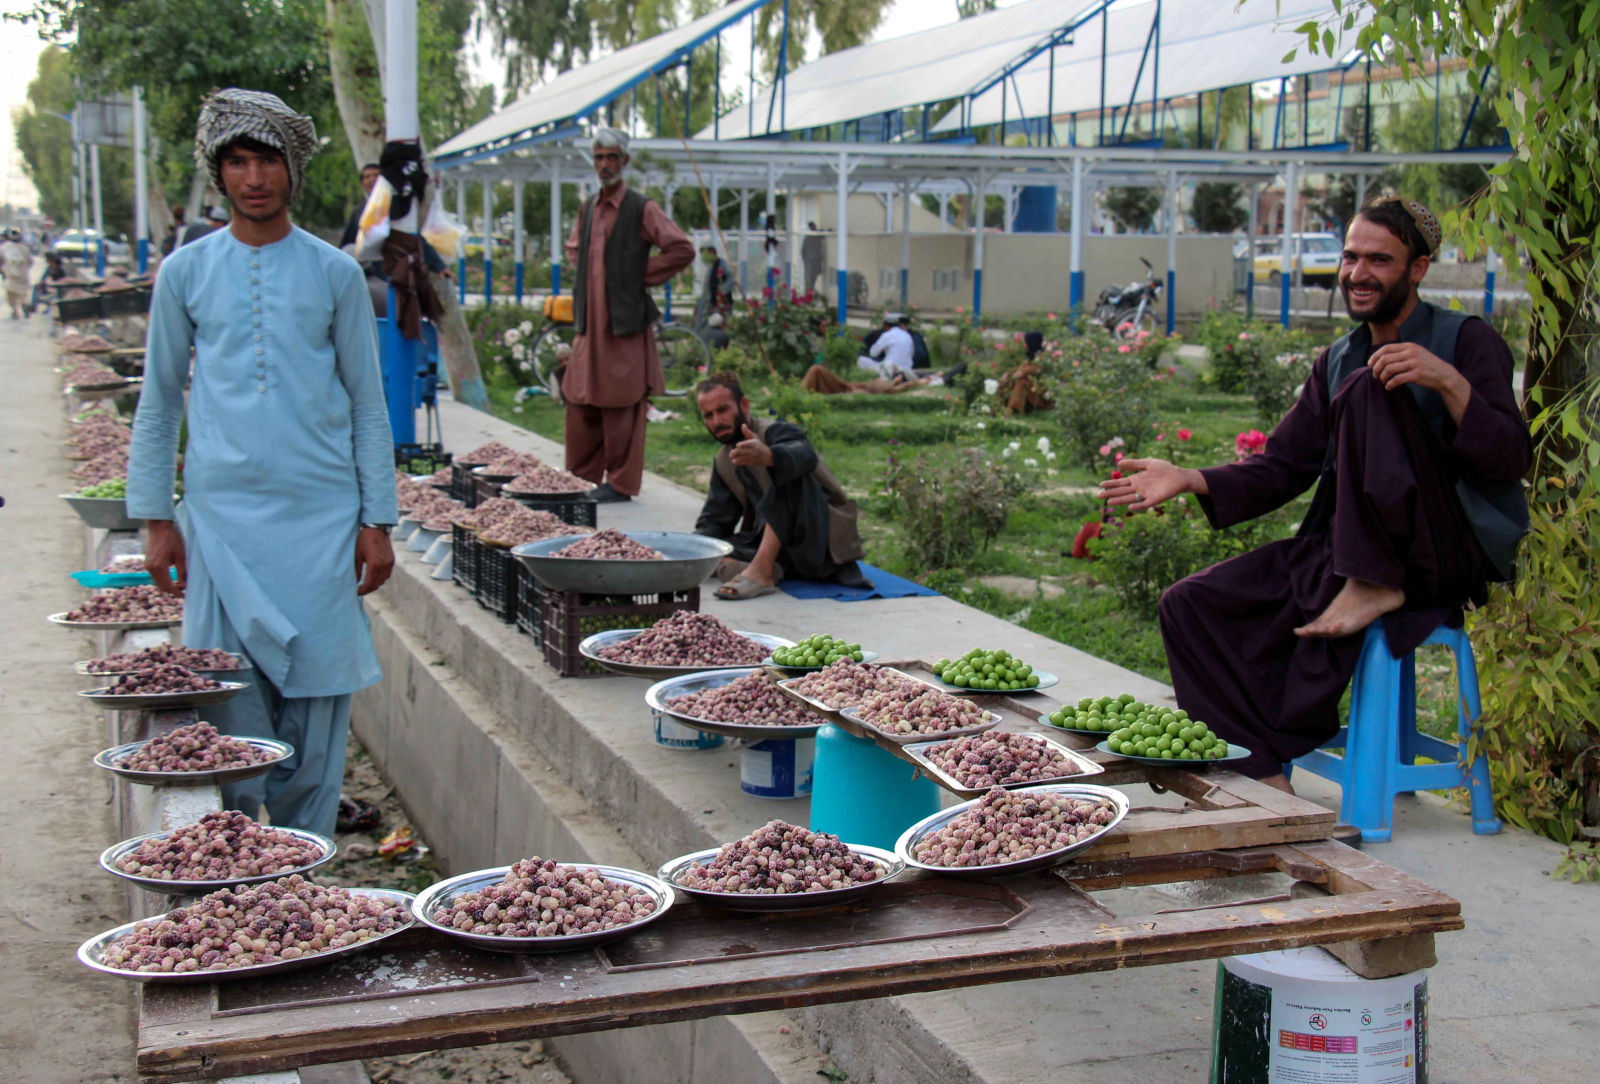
x: 1381, y: 743
x: 862, y: 793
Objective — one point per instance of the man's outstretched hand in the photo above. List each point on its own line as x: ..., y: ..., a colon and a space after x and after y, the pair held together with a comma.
x: 750, y: 452
x: 374, y: 560
x: 1146, y: 483
x: 163, y: 552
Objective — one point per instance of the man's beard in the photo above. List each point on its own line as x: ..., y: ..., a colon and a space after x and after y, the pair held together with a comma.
x: 1386, y: 308
x: 736, y: 434
x: 238, y: 209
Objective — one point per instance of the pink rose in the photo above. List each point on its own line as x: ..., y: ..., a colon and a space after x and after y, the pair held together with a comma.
x: 1243, y: 335
x: 1160, y: 437
x: 1049, y: 316
x: 1184, y: 434
x: 1105, y: 449
x: 1016, y: 336
x: 961, y: 308
x: 1124, y: 349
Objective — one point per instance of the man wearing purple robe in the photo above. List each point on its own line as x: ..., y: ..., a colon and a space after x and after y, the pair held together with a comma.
x: 1410, y: 429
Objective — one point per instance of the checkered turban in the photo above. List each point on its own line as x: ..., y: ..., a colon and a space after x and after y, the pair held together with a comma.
x: 233, y: 114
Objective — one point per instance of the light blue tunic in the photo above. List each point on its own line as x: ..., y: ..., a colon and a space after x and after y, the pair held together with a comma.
x: 288, y: 452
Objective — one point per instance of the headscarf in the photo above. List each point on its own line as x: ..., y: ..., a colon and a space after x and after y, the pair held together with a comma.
x: 233, y: 114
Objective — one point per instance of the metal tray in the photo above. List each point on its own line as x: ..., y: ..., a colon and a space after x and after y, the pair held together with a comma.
x: 866, y: 657
x: 690, y: 559
x: 912, y: 835
x: 592, y: 644
x: 662, y: 691
x: 889, y: 865
x: 837, y: 714
x: 103, y: 697
x: 112, y: 626
x: 445, y: 891
x: 1047, y: 680
x: 919, y: 753
x: 108, y: 758
x: 1235, y: 752
x: 106, y: 513
x: 92, y: 951
x: 109, y: 856
x: 105, y: 385
x: 83, y: 669
x: 990, y: 721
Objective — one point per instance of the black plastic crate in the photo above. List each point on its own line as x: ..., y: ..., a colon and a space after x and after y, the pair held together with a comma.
x: 579, y: 513
x: 569, y: 617
x: 461, y: 484
x: 485, y: 490
x: 80, y: 309
x: 498, y: 576
x: 126, y: 302
x: 464, y: 549
x: 530, y: 608
x: 421, y: 459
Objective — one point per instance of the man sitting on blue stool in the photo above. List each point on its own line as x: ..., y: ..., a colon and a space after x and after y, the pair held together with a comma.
x: 1411, y: 431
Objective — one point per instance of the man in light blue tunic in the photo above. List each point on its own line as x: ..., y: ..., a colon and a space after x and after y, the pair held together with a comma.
x: 289, y: 468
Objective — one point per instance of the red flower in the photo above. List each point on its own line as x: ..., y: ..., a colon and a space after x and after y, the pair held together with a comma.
x: 1184, y: 434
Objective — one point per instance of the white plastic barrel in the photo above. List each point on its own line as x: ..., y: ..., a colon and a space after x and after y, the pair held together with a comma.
x: 777, y: 769
x: 1299, y: 1016
x: 674, y: 735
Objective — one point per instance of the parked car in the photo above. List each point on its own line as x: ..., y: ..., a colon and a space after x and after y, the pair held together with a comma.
x: 472, y: 246
x: 1320, y: 254
x: 80, y: 245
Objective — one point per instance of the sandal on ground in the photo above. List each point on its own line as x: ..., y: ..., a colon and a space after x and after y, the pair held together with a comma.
x: 729, y: 568
x: 743, y: 587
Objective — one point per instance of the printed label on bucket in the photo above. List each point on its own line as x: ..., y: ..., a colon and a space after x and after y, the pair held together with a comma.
x: 674, y: 735
x: 777, y: 769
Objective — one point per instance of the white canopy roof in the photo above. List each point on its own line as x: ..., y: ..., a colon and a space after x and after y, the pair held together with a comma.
x: 579, y: 91
x: 932, y: 65
x: 1205, y: 45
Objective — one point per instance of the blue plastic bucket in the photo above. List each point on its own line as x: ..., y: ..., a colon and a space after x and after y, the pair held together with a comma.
x: 674, y: 735
x: 777, y: 769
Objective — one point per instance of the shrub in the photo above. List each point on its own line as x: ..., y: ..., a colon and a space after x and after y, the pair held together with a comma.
x: 502, y: 355
x: 784, y: 324
x: 951, y: 505
x: 1258, y: 359
x: 1538, y: 640
x: 839, y: 353
x: 1100, y: 393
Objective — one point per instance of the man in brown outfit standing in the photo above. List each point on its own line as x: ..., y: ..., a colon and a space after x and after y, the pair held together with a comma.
x: 615, y: 366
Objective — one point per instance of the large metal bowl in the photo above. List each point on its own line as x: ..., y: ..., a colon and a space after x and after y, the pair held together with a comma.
x: 109, y: 759
x: 590, y: 646
x: 106, y: 513
x: 108, y: 862
x: 92, y: 951
x: 445, y: 892
x: 110, y: 701
x: 889, y: 866
x: 662, y: 691
x: 690, y: 558
x: 112, y: 626
x: 909, y: 839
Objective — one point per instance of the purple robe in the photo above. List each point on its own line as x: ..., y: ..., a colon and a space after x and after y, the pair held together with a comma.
x: 1229, y: 630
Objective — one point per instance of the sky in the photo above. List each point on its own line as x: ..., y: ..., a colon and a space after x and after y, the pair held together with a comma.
x: 20, y: 45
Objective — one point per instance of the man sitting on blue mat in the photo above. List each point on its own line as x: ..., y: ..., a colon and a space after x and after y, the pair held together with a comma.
x: 773, y: 499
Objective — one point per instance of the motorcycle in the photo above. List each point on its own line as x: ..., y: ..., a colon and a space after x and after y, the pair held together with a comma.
x: 1127, y: 310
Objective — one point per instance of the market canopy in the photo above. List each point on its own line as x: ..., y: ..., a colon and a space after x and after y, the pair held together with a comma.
x: 582, y: 90
x: 928, y: 66
x: 1204, y: 45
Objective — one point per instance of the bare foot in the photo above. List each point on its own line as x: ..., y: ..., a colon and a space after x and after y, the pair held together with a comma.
x: 1279, y: 782
x: 1357, y: 605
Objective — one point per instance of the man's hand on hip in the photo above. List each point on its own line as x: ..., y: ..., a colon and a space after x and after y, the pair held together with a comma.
x: 750, y: 452
x: 163, y: 551
x: 374, y: 559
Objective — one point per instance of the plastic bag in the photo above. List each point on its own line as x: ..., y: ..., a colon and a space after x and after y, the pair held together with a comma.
x: 442, y: 230
x: 374, y: 229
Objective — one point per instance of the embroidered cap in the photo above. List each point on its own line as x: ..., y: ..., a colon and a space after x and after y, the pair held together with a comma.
x: 1427, y: 225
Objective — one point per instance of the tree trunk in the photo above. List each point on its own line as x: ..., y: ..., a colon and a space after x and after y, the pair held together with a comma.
x: 365, y: 130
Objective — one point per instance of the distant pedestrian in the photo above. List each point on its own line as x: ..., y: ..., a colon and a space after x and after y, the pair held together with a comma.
x: 16, y: 263
x: 216, y: 219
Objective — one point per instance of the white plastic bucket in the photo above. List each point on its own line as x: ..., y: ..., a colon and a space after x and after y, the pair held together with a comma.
x: 1299, y: 1016
x: 777, y: 769
x: 674, y: 735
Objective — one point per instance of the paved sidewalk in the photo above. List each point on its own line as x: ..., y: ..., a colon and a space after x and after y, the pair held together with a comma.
x: 59, y: 1022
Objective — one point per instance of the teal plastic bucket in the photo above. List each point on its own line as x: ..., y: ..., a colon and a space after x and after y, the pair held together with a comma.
x: 865, y: 794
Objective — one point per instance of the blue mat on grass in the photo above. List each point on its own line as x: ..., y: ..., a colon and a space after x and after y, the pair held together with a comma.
x: 884, y: 585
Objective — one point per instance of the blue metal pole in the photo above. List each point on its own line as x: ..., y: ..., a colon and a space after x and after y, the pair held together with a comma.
x: 488, y: 243
x: 144, y: 254
x: 399, y: 376
x: 1488, y: 283
x: 461, y: 257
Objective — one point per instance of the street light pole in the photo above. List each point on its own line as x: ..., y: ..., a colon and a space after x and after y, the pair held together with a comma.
x: 141, y: 187
x: 401, y: 126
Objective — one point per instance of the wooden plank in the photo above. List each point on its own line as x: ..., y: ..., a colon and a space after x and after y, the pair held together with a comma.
x: 923, y: 933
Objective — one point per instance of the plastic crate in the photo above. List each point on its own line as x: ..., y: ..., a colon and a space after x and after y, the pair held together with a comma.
x: 80, y: 309
x: 498, y: 576
x: 569, y: 617
x: 579, y: 513
x: 465, y: 549
x: 485, y: 490
x: 126, y: 302
x: 530, y: 608
x: 421, y: 458
x: 462, y: 486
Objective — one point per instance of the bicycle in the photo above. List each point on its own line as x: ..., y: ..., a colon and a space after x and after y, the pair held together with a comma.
x: 684, y: 355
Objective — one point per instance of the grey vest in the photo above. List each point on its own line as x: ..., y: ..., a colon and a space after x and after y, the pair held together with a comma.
x: 1498, y: 512
x: 627, y: 254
